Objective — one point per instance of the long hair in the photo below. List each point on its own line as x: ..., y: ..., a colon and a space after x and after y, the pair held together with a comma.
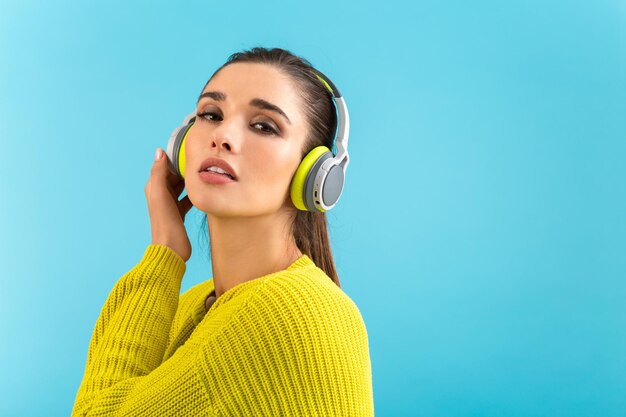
x: 309, y: 229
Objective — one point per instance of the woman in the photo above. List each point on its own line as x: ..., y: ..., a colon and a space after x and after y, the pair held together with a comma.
x: 271, y: 333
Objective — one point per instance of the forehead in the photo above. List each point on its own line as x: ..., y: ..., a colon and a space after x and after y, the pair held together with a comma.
x: 244, y: 81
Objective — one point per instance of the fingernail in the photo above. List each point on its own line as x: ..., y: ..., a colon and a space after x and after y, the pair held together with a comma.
x: 157, y: 154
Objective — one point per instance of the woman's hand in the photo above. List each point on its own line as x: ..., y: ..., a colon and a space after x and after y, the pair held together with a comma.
x: 167, y: 214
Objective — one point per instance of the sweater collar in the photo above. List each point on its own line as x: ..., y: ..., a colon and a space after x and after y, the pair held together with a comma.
x: 302, y: 262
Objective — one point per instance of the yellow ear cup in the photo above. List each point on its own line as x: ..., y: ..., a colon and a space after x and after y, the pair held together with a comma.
x: 182, y: 159
x: 299, y: 178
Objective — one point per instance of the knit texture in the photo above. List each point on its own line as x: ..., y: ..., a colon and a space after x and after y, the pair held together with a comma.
x: 290, y: 343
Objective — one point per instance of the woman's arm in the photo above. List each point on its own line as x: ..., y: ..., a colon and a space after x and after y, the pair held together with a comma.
x: 124, y: 374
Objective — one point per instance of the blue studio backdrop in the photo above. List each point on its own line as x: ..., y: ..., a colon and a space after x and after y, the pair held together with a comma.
x: 481, y: 232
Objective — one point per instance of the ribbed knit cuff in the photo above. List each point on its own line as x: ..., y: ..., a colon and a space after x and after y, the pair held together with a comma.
x: 167, y: 260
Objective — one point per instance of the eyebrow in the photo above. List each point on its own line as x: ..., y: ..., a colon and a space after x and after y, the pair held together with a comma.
x: 256, y: 102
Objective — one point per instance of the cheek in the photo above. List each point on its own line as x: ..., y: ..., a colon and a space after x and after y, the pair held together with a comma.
x: 273, y: 165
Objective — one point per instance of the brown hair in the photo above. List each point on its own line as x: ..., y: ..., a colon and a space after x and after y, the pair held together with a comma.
x: 309, y: 229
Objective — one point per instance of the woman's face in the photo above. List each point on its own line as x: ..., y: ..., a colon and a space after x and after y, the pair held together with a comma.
x: 236, y: 123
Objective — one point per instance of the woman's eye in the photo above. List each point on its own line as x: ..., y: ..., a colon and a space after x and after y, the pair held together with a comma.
x: 211, y: 116
x: 264, y: 127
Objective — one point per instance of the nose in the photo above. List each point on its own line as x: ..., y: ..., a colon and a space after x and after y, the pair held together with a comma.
x: 222, y: 136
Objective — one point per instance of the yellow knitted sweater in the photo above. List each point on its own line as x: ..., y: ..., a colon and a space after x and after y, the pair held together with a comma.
x: 290, y: 343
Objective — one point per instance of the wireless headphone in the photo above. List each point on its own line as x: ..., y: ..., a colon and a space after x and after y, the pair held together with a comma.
x: 318, y: 181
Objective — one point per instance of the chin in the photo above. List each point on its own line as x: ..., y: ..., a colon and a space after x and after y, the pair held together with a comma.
x: 219, y: 210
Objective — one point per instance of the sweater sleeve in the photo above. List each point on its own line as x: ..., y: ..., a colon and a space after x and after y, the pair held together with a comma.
x: 124, y: 373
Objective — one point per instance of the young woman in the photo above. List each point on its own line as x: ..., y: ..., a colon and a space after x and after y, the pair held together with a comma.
x: 271, y: 333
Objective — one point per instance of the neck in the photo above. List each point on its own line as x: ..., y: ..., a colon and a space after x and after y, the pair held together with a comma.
x: 245, y: 248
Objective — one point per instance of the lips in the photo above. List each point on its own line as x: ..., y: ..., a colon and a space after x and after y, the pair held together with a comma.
x: 220, y: 163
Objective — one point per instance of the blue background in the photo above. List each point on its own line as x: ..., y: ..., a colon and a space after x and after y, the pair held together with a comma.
x: 481, y: 232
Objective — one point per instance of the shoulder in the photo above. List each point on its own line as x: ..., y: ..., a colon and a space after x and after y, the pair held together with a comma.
x: 299, y: 337
x: 306, y: 301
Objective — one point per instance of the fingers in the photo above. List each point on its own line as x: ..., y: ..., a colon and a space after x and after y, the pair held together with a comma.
x: 161, y: 167
x: 161, y: 173
x: 172, y: 177
x: 176, y: 182
x: 160, y: 162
